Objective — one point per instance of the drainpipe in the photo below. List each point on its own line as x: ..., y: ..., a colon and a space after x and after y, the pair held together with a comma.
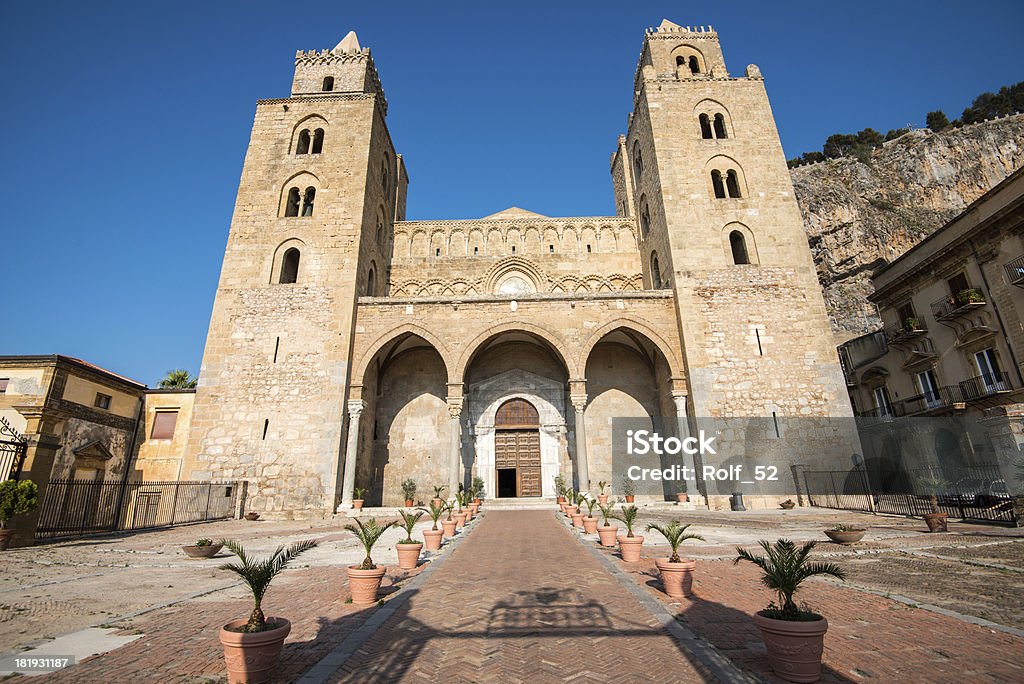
x: 129, y: 459
x: 995, y: 308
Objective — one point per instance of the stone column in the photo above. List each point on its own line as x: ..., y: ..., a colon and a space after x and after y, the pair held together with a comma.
x: 43, y: 434
x: 455, y: 455
x: 355, y: 410
x: 681, y: 400
x: 579, y: 402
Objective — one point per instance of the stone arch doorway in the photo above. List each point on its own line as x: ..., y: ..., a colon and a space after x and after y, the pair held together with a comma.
x: 517, y: 460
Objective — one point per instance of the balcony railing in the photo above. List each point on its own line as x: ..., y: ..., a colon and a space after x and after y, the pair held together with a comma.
x: 950, y: 397
x: 1015, y: 271
x: 911, y: 329
x: 960, y: 304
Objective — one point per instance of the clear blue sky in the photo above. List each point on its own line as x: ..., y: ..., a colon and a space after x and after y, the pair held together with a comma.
x: 126, y: 124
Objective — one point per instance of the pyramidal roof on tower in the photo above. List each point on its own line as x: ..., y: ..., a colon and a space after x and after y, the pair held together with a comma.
x: 350, y: 43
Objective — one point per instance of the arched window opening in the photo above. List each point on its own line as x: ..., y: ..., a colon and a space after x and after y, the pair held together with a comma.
x: 370, y: 284
x: 303, y: 146
x: 655, y: 271
x: 328, y: 84
x: 720, y: 127
x: 645, y: 218
x: 384, y: 173
x: 380, y: 235
x: 716, y: 181
x: 318, y: 141
x: 638, y: 161
x: 705, y: 127
x: 680, y: 61
x: 289, y: 267
x: 292, y: 207
x: 307, y: 201
x: 694, y: 65
x: 516, y: 413
x: 732, y: 181
x: 739, y: 248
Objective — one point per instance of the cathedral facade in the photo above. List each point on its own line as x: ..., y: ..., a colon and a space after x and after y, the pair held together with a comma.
x: 351, y: 349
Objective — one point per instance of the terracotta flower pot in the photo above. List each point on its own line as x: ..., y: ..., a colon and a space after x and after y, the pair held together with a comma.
x: 559, y: 500
x: 460, y: 520
x: 436, y: 501
x: 364, y: 584
x: 449, y: 527
x: 602, y: 499
x: 577, y: 519
x: 432, y: 539
x: 202, y: 551
x: 409, y: 503
x: 629, y: 548
x: 478, y: 501
x: 794, y: 648
x: 629, y: 498
x: 474, y: 508
x: 937, y: 522
x: 590, y: 525
x: 357, y: 504
x: 408, y: 555
x: 569, y: 510
x: 682, y: 497
x: 607, y: 534
x: 251, y: 657
x: 847, y: 537
x: 677, y: 578
x: 5, y: 538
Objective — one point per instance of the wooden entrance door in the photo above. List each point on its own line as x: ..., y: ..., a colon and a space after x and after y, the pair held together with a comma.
x: 517, y: 444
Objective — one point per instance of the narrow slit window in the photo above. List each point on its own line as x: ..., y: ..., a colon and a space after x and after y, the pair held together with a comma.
x: 307, y: 201
x: 303, y: 146
x: 277, y: 347
x: 719, y: 186
x: 266, y: 426
x: 328, y: 84
x: 738, y: 244
x: 720, y: 127
x: 705, y: 127
x: 290, y: 267
x: 318, y: 141
x: 732, y: 181
x: 292, y: 206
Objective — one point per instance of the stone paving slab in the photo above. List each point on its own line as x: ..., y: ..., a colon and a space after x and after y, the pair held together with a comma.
x: 520, y: 602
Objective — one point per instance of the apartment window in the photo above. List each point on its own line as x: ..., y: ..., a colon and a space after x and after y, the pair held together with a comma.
x: 958, y: 284
x: 907, y: 317
x: 102, y: 401
x: 880, y: 396
x: 988, y: 369
x: 163, y: 425
x: 3, y: 385
x: 929, y: 388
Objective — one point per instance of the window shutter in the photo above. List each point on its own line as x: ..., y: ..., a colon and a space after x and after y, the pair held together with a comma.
x: 163, y: 424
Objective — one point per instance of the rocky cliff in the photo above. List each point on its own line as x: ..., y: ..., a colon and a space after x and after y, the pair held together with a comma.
x: 858, y: 215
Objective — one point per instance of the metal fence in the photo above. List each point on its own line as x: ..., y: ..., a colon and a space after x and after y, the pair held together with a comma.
x: 12, y: 451
x: 73, y: 508
x: 973, y: 493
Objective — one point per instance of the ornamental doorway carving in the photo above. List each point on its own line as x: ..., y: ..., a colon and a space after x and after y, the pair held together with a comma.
x: 517, y: 449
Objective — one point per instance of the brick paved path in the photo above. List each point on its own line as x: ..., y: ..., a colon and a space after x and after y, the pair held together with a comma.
x: 521, y: 601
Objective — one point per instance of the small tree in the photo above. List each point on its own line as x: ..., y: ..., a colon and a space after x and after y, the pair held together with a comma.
x: 409, y: 489
x: 358, y: 492
x: 602, y: 485
x: 628, y: 487
x: 179, y: 378
x: 478, y: 487
x: 932, y: 485
x: 784, y: 567
x: 936, y: 120
x: 590, y: 506
x: 435, y: 512
x: 627, y: 516
x: 559, y: 485
x: 606, y: 512
x: 409, y: 520
x: 369, y: 533
x: 17, y: 498
x: 257, y: 574
x: 676, y: 534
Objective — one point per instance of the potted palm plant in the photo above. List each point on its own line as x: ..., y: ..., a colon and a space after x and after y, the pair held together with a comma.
x: 676, y: 573
x: 409, y: 491
x: 432, y: 537
x: 559, y: 489
x: 630, y: 544
x: 606, y: 531
x: 460, y: 515
x: 478, y: 490
x: 602, y: 498
x: 846, y: 534
x: 590, y: 522
x: 794, y: 637
x: 409, y: 549
x: 448, y: 524
x: 203, y: 548
x: 357, y: 498
x: 16, y: 498
x: 681, y: 495
x: 579, y: 499
x: 438, y: 491
x: 937, y: 521
x: 628, y: 489
x: 364, y: 579
x: 569, y: 507
x: 252, y: 646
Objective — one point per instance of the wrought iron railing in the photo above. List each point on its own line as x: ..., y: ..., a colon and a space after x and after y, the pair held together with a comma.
x: 13, y: 446
x: 960, y: 304
x: 1015, y: 271
x: 985, y: 385
x: 73, y: 508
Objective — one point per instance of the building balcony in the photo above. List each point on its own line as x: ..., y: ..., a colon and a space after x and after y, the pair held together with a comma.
x: 911, y: 329
x: 986, y: 386
x: 960, y: 304
x: 983, y: 388
x: 1015, y: 271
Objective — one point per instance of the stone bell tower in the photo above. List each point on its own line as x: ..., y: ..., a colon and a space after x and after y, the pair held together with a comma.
x: 703, y: 169
x: 320, y: 189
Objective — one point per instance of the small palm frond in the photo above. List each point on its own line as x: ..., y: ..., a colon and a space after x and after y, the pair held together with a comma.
x: 258, y: 573
x: 784, y: 567
x: 676, y: 534
x: 409, y: 520
x: 627, y: 516
x: 369, y: 533
x: 435, y: 511
x: 606, y: 513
